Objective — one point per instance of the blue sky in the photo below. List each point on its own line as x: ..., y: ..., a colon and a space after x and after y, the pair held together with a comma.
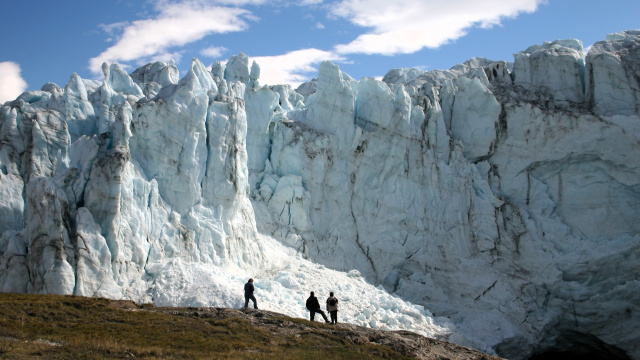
x: 44, y: 41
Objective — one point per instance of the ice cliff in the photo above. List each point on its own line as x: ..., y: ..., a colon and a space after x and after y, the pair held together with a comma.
x: 494, y: 204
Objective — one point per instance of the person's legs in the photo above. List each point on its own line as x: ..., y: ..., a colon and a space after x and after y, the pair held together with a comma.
x: 246, y: 301
x: 312, y: 314
x: 323, y: 315
x: 334, y: 316
x: 255, y: 303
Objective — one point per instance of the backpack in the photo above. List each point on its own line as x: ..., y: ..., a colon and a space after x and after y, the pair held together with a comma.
x: 333, y: 301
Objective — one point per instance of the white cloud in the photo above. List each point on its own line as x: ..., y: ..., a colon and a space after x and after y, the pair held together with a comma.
x: 177, y: 24
x: 407, y: 26
x: 114, y: 28
x: 11, y: 83
x: 391, y: 27
x: 292, y: 68
x: 213, y: 51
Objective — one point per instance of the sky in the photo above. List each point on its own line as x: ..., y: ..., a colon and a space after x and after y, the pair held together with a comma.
x: 47, y: 41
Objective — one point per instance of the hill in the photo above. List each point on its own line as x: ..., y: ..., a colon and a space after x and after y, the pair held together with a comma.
x: 64, y: 327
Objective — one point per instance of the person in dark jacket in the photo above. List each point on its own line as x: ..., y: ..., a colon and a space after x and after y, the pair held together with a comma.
x: 332, y: 308
x: 314, y: 307
x: 248, y: 294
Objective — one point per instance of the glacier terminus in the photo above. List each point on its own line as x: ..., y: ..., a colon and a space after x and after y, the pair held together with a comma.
x: 495, y: 205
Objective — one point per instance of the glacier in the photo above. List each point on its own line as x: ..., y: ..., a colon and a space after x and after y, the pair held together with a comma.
x: 494, y: 204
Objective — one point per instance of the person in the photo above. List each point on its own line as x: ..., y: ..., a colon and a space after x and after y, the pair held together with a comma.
x: 248, y: 294
x: 332, y: 308
x: 314, y: 307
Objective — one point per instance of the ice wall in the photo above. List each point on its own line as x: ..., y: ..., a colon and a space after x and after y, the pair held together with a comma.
x: 160, y: 176
x: 501, y: 196
x: 493, y: 193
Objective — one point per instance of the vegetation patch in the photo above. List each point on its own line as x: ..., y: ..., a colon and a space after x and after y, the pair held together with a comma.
x: 71, y: 327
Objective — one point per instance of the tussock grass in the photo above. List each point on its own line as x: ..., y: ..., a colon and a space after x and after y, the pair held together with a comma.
x: 70, y: 327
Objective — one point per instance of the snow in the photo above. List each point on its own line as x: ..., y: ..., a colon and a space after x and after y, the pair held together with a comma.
x: 491, y: 204
x: 283, y: 285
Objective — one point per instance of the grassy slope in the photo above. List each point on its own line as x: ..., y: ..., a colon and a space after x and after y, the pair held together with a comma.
x: 69, y: 327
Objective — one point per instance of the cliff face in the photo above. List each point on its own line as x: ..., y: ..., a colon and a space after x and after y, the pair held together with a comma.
x: 502, y: 196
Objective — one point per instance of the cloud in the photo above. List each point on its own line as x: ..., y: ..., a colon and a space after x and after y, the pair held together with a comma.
x: 177, y: 24
x: 390, y: 28
x: 11, y: 83
x: 114, y: 28
x: 292, y: 68
x: 407, y: 26
x: 213, y: 51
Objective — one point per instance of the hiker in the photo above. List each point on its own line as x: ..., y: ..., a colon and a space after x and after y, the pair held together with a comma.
x: 314, y: 307
x: 248, y: 294
x: 332, y: 308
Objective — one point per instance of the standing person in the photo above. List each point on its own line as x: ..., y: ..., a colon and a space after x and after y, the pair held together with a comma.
x: 314, y: 307
x: 248, y: 294
x: 332, y: 308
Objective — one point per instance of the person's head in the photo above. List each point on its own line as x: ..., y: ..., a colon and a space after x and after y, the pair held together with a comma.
x: 250, y: 280
x: 312, y: 293
x: 331, y: 293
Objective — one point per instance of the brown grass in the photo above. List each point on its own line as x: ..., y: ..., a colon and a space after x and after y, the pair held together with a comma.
x: 70, y: 327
